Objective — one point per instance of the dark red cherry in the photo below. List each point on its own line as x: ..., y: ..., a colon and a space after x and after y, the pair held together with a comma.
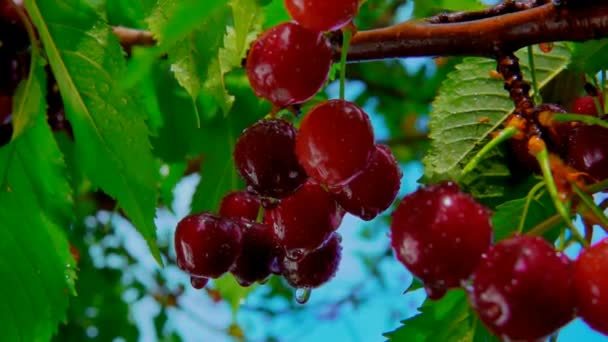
x: 198, y: 282
x: 334, y: 142
x: 439, y: 233
x: 591, y: 286
x: 257, y: 253
x: 240, y: 204
x: 523, y: 289
x: 316, y: 268
x: 206, y: 245
x: 586, y: 105
x: 322, y: 15
x: 264, y: 156
x: 6, y: 107
x: 305, y: 220
x: 288, y: 64
x: 587, y: 152
x: 374, y: 189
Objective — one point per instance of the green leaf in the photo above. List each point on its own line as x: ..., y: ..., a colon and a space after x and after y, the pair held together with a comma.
x: 108, y: 121
x: 36, y: 267
x: 424, y: 8
x: 471, y: 105
x: 232, y: 292
x: 590, y: 56
x: 26, y: 110
x: 449, y: 319
x: 218, y: 137
x: 508, y: 216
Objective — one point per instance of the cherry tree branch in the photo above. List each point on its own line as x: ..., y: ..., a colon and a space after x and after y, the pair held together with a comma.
x: 505, y: 27
x: 483, y: 37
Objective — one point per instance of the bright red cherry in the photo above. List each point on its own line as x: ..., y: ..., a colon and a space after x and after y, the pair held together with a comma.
x: 334, y: 142
x: 305, y: 220
x: 586, y: 105
x: 316, y: 268
x: 591, y: 286
x: 265, y: 157
x: 374, y: 189
x: 587, y: 152
x: 322, y: 15
x: 439, y: 233
x: 288, y: 64
x: 523, y: 289
x: 206, y: 245
x: 257, y: 253
x: 240, y: 204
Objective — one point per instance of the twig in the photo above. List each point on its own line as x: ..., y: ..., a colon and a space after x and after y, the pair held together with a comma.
x: 509, y: 6
x: 131, y: 37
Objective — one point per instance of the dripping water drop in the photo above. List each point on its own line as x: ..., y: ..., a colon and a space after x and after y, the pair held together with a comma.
x: 303, y: 295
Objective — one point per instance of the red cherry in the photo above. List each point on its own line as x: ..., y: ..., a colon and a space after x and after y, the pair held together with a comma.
x: 257, y: 253
x: 288, y: 64
x: 591, y: 286
x: 322, y: 15
x: 374, y: 189
x: 305, y: 220
x: 587, y: 152
x: 334, y: 142
x: 198, y: 282
x: 523, y: 289
x: 316, y: 268
x: 439, y: 233
x: 264, y: 156
x: 240, y: 204
x: 206, y: 245
x: 586, y: 105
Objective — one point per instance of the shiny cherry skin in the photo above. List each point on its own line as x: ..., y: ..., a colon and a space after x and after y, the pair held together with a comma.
x: 587, y: 152
x: 264, y: 156
x: 374, y: 189
x: 334, y: 142
x: 258, y: 252
x: 591, y: 286
x: 288, y: 64
x: 523, y: 289
x: 305, y: 220
x: 439, y: 233
x: 206, y: 245
x: 316, y: 268
x: 240, y: 204
x: 322, y: 15
x: 586, y: 105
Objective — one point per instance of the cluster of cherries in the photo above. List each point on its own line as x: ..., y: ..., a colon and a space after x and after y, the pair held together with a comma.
x: 299, y: 185
x: 521, y: 287
x: 576, y: 143
x: 300, y: 182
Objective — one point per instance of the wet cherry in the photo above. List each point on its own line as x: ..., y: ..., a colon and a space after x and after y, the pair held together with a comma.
x: 288, y: 64
x: 240, y: 204
x: 206, y: 245
x: 258, y: 252
x: 334, y: 142
x: 439, y: 233
x: 322, y: 15
x: 591, y: 285
x: 374, y: 189
x: 305, y: 220
x: 316, y: 268
x: 264, y: 156
x: 523, y: 289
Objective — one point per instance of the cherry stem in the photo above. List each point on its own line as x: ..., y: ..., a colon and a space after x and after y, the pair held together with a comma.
x: 543, y: 160
x: 346, y: 36
x: 587, y: 119
x: 591, y: 205
x: 503, y: 136
x: 537, y: 96
x: 529, y: 198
